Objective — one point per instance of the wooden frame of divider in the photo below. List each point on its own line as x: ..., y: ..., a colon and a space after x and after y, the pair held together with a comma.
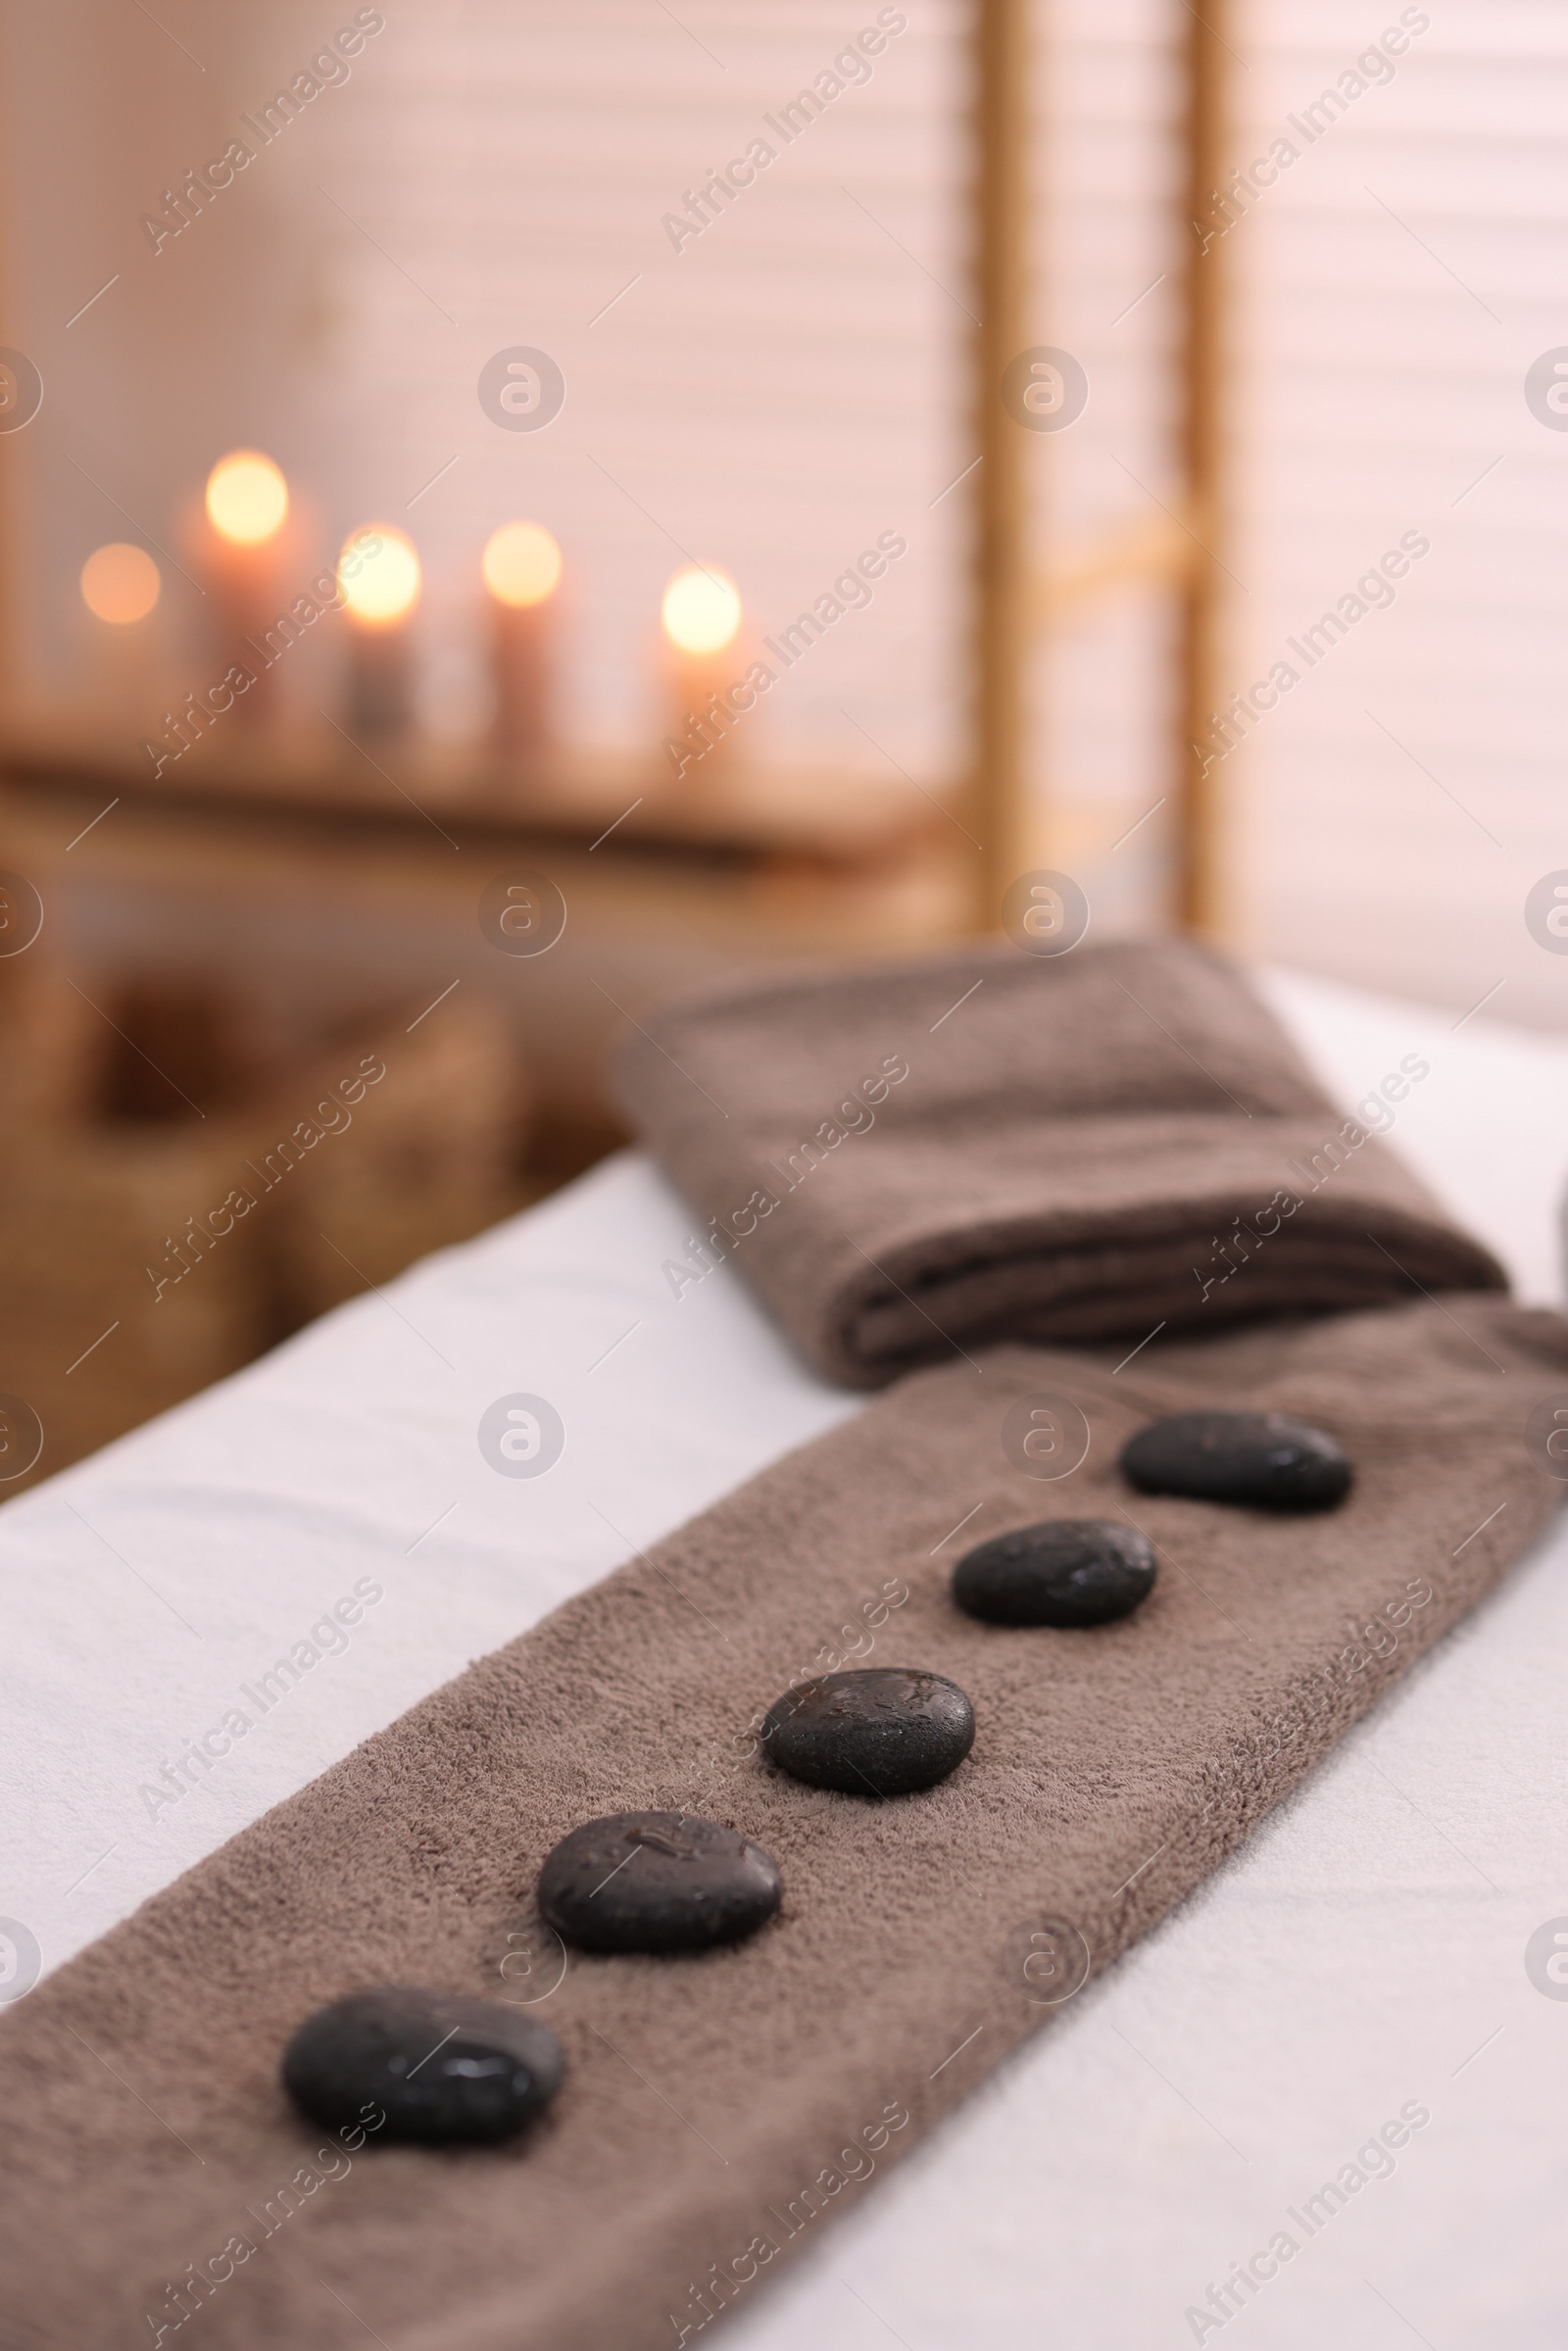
x: 1013, y: 595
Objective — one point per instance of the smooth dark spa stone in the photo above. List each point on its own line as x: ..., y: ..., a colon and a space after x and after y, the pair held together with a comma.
x: 883, y: 1731
x: 1066, y: 1571
x: 1260, y: 1459
x: 657, y: 1882
x: 442, y: 2069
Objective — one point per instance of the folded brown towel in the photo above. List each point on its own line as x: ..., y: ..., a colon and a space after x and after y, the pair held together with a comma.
x: 156, y: 2188
x: 908, y: 1163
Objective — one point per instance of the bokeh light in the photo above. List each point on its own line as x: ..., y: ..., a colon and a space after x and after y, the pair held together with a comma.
x: 521, y: 564
x: 701, y: 608
x: 378, y: 573
x: 120, y: 583
x: 247, y: 497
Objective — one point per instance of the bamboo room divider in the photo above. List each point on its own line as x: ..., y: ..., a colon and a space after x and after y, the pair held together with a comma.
x: 1012, y: 599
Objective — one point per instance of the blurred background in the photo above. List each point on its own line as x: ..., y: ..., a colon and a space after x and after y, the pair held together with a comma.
x: 511, y: 511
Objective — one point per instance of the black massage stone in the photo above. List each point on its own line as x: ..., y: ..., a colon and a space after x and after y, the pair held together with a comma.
x: 881, y: 1732
x: 1260, y: 1459
x: 657, y: 1882
x: 1066, y: 1572
x: 442, y: 2069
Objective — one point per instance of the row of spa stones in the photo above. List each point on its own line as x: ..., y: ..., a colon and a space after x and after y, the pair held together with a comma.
x: 444, y: 2069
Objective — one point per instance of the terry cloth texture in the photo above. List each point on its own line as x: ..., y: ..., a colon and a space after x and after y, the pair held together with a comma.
x: 716, y: 2110
x: 904, y: 1160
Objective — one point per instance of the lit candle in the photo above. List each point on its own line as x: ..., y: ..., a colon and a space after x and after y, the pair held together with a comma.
x: 378, y: 573
x: 120, y: 587
x: 247, y: 507
x: 120, y: 584
x: 701, y: 616
x: 522, y: 567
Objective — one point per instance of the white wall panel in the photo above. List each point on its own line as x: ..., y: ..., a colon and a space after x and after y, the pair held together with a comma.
x: 1394, y: 287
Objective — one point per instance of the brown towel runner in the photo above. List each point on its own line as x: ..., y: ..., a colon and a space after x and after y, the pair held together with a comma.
x: 716, y: 2111
x: 905, y: 1162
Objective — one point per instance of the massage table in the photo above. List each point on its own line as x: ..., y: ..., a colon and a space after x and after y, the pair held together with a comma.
x: 1360, y: 1962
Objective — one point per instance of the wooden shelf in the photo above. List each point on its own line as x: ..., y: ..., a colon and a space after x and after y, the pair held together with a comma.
x: 738, y: 817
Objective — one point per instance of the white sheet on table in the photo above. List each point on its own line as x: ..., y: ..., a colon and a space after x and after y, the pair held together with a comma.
x: 1356, y: 1955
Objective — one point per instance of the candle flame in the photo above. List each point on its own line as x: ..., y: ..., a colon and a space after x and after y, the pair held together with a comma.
x: 120, y: 583
x: 378, y: 573
x: 247, y: 497
x: 521, y: 564
x: 701, y: 608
